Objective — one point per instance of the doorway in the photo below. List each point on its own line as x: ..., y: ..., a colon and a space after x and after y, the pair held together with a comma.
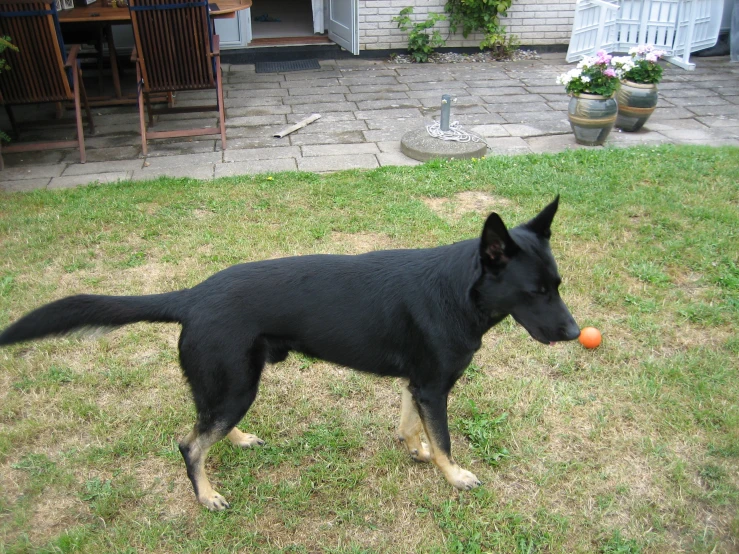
x: 281, y: 18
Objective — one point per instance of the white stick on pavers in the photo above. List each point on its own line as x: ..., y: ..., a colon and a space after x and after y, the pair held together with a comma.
x: 298, y: 125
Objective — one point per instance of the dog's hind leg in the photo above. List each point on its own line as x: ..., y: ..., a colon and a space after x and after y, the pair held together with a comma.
x: 432, y: 407
x: 410, y: 427
x: 224, y: 389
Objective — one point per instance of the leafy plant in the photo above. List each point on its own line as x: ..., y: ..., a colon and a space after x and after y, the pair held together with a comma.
x: 4, y: 66
x: 420, y: 44
x: 482, y: 16
x: 593, y: 75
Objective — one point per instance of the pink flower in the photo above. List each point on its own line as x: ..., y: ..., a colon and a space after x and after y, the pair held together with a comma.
x: 604, y: 57
x: 609, y: 72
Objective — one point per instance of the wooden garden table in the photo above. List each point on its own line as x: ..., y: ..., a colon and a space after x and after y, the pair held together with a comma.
x: 100, y: 15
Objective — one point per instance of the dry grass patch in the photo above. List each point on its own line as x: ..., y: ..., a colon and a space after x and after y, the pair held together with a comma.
x: 465, y: 202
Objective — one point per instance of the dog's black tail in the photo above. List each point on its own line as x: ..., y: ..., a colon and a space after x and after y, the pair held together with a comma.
x: 88, y: 311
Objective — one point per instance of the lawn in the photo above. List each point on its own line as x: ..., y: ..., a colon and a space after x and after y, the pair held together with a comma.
x: 632, y: 447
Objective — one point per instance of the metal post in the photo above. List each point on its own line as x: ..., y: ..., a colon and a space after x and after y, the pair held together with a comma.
x: 446, y: 105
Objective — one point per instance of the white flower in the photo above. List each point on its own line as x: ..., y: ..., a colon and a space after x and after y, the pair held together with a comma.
x: 585, y: 79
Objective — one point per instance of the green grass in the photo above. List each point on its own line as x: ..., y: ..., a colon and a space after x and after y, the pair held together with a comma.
x: 629, y: 448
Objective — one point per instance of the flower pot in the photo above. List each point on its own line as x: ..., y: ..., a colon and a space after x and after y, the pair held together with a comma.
x: 591, y: 118
x: 636, y: 102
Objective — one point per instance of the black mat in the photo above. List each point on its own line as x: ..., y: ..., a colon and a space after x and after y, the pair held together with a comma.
x: 278, y: 67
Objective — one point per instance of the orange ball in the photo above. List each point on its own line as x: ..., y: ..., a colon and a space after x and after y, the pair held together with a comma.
x: 590, y: 337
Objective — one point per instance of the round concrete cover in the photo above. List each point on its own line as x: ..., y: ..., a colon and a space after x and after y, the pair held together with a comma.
x: 421, y: 146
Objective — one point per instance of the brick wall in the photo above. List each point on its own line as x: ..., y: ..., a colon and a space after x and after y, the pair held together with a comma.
x: 534, y: 22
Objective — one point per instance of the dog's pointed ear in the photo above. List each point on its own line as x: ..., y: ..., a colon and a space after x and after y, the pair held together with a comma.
x: 496, y: 245
x: 542, y: 223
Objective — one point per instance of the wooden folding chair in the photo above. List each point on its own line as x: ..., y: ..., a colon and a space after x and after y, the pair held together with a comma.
x: 40, y: 71
x: 175, y: 50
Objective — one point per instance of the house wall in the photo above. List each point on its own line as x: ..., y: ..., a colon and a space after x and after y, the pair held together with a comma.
x: 534, y: 22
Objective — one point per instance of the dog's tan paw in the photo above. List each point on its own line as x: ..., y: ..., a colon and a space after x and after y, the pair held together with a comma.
x: 248, y: 440
x: 243, y: 440
x: 464, y: 480
x: 214, y: 501
x: 421, y: 454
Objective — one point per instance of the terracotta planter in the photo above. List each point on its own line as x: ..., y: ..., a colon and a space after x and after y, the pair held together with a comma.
x: 636, y: 102
x: 591, y: 118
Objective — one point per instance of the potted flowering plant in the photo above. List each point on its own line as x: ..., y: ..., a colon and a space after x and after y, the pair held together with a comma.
x: 637, y: 96
x: 592, y: 109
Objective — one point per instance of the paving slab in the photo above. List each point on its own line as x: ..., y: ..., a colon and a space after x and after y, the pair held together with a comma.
x: 337, y: 163
x: 73, y: 181
x: 252, y: 167
x: 367, y: 105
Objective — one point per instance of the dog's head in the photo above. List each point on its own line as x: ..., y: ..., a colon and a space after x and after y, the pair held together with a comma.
x: 520, y: 277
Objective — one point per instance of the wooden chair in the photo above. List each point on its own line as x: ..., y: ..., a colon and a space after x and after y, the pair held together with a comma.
x: 175, y: 50
x: 40, y: 71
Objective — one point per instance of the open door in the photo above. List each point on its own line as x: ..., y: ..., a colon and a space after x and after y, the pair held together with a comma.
x: 343, y: 24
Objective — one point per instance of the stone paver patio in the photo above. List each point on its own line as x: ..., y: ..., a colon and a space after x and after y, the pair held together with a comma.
x: 366, y: 106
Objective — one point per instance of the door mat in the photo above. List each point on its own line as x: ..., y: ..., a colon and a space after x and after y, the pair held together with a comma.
x: 279, y: 67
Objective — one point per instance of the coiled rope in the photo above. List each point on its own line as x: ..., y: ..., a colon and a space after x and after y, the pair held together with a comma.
x: 455, y: 133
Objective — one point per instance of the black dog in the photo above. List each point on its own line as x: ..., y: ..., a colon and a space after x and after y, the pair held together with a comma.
x: 415, y: 314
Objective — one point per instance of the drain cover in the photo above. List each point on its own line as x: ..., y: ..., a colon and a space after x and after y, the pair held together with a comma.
x: 279, y: 67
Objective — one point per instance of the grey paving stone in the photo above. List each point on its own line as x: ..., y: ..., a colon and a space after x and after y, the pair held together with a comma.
x: 257, y: 111
x: 255, y: 166
x: 553, y: 144
x: 23, y: 185
x: 457, y: 101
x: 308, y: 90
x: 328, y: 119
x: 396, y: 158
x: 337, y: 163
x: 346, y: 137
x: 719, y: 121
x: 490, y: 130
x: 727, y: 109
x: 691, y: 135
x: 363, y: 89
x: 256, y: 121
x: 314, y: 99
x: 368, y: 96
x: 38, y: 157
x: 339, y: 149
x: 183, y: 160
x: 389, y: 113
x: 524, y: 131
x: 96, y: 168
x: 402, y: 124
x: 203, y: 172
x: 312, y: 83
x: 519, y: 108
x: 325, y: 108
x: 527, y: 98
x: 382, y: 104
x: 507, y: 145
x: 72, y: 181
x: 367, y: 80
x: 385, y: 135
x: 183, y: 146
x: 238, y: 89
x: 249, y: 102
x: 656, y: 123
x: 104, y: 154
x: 253, y: 154
x: 31, y: 172
x: 470, y: 119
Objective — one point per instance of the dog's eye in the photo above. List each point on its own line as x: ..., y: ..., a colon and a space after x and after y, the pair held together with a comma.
x: 542, y: 290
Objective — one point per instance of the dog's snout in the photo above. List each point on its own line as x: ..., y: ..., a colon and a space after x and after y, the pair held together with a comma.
x: 571, y: 331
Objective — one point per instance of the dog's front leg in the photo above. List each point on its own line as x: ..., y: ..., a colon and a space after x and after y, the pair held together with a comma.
x: 409, y: 430
x: 432, y: 407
